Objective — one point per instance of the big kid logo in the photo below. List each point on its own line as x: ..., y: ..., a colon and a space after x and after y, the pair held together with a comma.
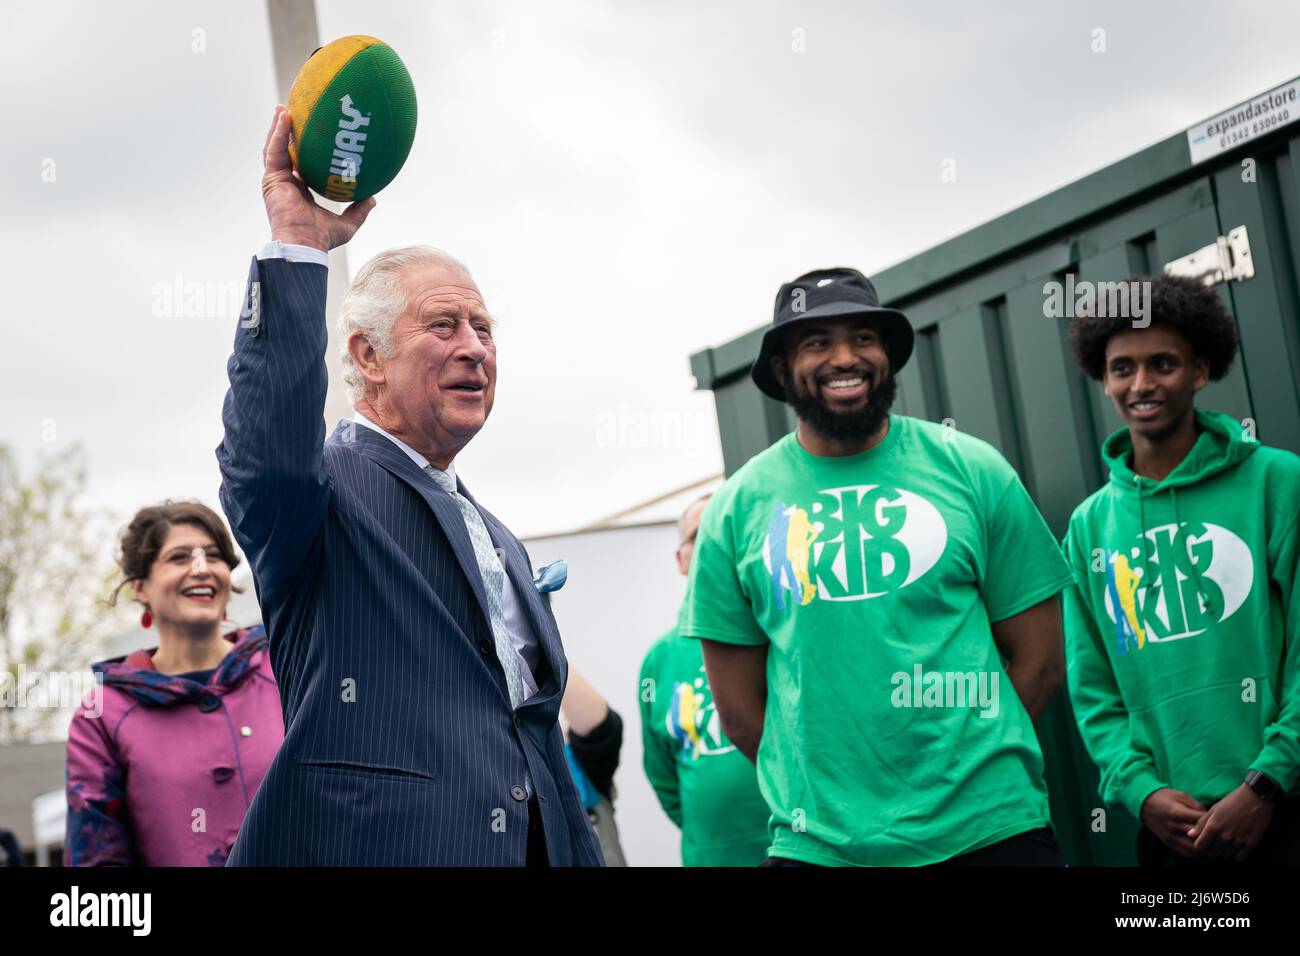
x: 850, y: 544
x: 1181, y: 581
x: 692, y: 720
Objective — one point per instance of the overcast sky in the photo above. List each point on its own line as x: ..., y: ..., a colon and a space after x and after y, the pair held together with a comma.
x: 629, y: 183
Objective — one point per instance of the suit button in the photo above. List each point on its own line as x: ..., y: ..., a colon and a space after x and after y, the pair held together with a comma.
x: 222, y: 774
x: 519, y: 793
x: 208, y: 703
x: 485, y: 647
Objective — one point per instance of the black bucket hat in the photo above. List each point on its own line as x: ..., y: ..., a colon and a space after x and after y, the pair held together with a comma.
x: 822, y: 294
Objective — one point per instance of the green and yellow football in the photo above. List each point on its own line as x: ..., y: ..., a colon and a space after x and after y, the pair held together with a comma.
x: 352, y: 106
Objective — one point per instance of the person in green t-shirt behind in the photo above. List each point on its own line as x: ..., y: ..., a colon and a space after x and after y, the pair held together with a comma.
x: 1183, y: 632
x: 705, y: 785
x: 856, y: 588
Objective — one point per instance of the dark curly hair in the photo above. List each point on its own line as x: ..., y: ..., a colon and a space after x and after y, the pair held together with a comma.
x: 1187, y: 306
x: 143, y: 538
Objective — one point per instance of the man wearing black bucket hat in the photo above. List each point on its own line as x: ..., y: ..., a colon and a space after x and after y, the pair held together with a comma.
x: 876, y: 597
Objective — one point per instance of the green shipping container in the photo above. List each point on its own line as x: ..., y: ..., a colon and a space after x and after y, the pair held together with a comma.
x: 1219, y: 200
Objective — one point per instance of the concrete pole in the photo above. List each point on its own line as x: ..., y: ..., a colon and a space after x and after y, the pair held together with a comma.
x: 294, y: 37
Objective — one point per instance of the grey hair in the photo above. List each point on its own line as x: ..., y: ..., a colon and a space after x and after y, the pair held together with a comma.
x: 375, y: 300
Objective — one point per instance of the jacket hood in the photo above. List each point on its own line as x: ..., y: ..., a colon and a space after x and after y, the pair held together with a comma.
x: 1220, y: 446
x: 134, y: 673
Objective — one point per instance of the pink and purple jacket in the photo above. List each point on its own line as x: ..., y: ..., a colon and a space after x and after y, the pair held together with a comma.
x: 164, y: 775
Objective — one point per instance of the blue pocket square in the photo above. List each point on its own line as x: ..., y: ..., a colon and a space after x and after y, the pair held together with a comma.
x: 552, y: 576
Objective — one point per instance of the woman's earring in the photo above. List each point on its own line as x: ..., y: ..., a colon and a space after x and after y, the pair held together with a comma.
x: 146, y: 619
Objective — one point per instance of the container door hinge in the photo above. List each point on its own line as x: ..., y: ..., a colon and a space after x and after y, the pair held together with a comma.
x: 1228, y: 257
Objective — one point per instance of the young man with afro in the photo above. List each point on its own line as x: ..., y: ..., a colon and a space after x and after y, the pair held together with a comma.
x: 1182, y: 630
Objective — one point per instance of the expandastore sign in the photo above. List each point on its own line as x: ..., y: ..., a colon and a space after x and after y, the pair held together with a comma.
x: 1245, y: 121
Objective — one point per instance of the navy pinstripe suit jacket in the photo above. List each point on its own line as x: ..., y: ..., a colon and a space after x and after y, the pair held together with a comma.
x: 400, y: 747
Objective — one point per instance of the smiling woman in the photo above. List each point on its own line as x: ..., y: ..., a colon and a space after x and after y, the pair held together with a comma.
x: 145, y: 791
x: 177, y: 558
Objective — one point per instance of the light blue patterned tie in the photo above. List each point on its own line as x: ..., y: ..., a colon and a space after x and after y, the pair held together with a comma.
x: 493, y: 574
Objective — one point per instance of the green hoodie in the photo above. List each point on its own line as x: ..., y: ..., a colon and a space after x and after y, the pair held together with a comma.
x: 1194, y: 680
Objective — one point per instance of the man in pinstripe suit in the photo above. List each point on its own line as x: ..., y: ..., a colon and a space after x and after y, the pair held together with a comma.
x: 421, y: 673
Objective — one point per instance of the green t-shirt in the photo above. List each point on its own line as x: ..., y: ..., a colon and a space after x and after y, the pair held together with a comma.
x: 705, y: 785
x: 892, y: 735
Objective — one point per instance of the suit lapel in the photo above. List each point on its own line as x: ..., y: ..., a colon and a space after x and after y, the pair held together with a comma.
x: 391, y: 458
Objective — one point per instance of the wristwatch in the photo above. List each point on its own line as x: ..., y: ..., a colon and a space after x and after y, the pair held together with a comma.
x: 1264, y: 787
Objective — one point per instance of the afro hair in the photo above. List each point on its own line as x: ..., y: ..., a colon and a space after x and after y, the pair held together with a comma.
x: 1189, y: 307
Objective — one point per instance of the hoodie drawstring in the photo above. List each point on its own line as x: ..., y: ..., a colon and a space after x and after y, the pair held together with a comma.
x: 1191, y: 564
x: 1172, y: 579
x: 1142, y: 534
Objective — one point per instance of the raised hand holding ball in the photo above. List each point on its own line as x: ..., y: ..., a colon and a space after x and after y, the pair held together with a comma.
x: 294, y: 215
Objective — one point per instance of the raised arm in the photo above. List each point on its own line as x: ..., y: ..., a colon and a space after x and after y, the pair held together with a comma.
x: 274, y: 488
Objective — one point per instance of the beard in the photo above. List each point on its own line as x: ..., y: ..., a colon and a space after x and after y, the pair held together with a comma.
x: 855, y: 426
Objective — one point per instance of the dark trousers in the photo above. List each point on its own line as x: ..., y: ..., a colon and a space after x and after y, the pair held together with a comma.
x: 1280, y: 846
x: 536, y: 839
x: 1032, y: 848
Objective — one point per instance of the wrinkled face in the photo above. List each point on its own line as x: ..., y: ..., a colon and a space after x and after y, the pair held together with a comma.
x: 688, y: 527
x: 442, y: 379
x: 837, y: 377
x: 1153, y: 376
x: 189, y: 582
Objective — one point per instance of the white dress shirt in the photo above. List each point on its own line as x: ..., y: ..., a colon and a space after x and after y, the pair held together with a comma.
x: 275, y: 249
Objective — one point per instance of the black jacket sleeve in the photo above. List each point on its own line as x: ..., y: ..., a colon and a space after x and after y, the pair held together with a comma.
x: 597, y: 752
